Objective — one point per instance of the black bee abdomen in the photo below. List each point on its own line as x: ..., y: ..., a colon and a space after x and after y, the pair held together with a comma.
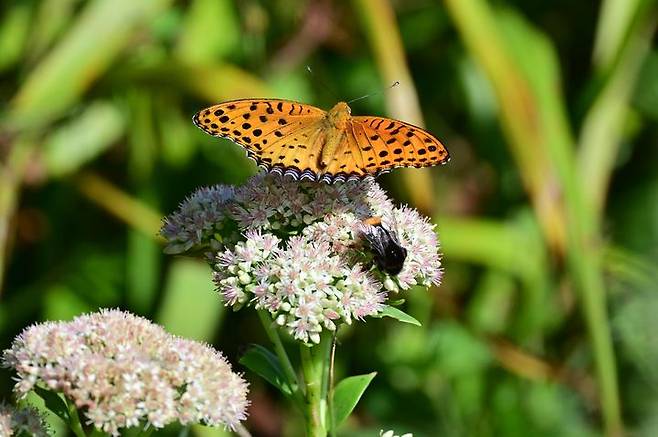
x: 388, y: 253
x: 392, y: 260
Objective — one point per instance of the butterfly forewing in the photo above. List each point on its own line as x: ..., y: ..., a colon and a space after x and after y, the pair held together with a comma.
x: 388, y: 143
x: 275, y: 133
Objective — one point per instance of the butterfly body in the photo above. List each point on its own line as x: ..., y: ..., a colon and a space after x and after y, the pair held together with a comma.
x: 336, y: 124
x: 305, y: 142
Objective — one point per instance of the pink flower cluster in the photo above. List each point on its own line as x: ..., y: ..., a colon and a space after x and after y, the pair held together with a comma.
x: 124, y: 371
x: 298, y: 249
x: 303, y: 284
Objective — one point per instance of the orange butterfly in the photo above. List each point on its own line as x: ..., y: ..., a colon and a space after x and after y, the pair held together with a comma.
x: 305, y: 142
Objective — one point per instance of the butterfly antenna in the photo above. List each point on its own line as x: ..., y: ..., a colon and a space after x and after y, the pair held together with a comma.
x: 321, y: 82
x: 393, y: 85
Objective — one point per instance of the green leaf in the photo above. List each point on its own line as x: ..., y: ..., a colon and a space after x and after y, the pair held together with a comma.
x: 397, y: 314
x: 260, y: 360
x: 54, y: 403
x: 347, y: 394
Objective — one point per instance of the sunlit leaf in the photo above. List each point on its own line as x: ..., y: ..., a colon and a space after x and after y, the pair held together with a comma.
x: 389, y: 311
x: 347, y: 394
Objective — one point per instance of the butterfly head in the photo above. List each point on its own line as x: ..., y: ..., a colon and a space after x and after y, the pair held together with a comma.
x: 339, y: 114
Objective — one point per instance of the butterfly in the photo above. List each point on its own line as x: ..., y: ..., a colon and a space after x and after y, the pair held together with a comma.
x: 388, y: 253
x: 305, y: 142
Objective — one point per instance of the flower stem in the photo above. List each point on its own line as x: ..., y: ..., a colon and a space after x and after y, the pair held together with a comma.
x: 146, y: 432
x: 74, y: 420
x: 289, y: 371
x: 330, y: 382
x: 315, y: 365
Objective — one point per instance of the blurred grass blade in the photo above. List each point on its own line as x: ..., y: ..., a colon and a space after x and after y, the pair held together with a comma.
x: 223, y: 82
x: 645, y: 98
x: 176, y: 134
x: 210, y: 32
x: 521, y: 65
x: 189, y: 291
x: 490, y: 243
x: 603, y: 128
x: 11, y: 177
x: 143, y: 261
x: 490, y: 308
x: 402, y: 102
x: 615, y: 20
x: 100, y: 33
x: 120, y: 204
x: 81, y: 140
x: 14, y: 31
x: 496, y: 245
x: 50, y: 20
x: 522, y: 115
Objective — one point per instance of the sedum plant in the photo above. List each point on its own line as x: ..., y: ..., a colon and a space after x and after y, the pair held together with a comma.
x: 308, y: 257
x: 109, y: 371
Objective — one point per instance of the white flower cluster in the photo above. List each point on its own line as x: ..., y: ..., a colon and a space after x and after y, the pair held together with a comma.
x: 298, y: 249
x: 124, y: 371
x: 21, y: 421
x: 304, y: 285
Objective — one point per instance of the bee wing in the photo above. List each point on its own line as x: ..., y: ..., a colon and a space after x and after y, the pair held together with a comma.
x: 373, y: 234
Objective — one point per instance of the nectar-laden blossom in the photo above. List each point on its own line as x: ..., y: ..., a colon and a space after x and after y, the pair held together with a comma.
x: 303, y: 284
x: 298, y: 249
x: 123, y: 371
x: 21, y: 421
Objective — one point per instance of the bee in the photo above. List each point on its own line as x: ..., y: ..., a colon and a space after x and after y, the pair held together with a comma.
x: 388, y: 252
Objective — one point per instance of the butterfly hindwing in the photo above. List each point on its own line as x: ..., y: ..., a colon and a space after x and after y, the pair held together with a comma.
x: 388, y: 143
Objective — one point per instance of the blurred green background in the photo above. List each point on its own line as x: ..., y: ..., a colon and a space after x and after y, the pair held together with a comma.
x: 547, y: 320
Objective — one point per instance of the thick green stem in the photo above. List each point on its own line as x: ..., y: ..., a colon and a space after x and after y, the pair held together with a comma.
x: 280, y: 351
x: 330, y: 382
x: 315, y: 365
x: 74, y: 420
x: 146, y: 432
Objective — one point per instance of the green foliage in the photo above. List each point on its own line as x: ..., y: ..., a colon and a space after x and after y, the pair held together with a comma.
x: 546, y: 214
x: 394, y: 313
x: 54, y: 403
x: 264, y: 363
x: 347, y: 394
